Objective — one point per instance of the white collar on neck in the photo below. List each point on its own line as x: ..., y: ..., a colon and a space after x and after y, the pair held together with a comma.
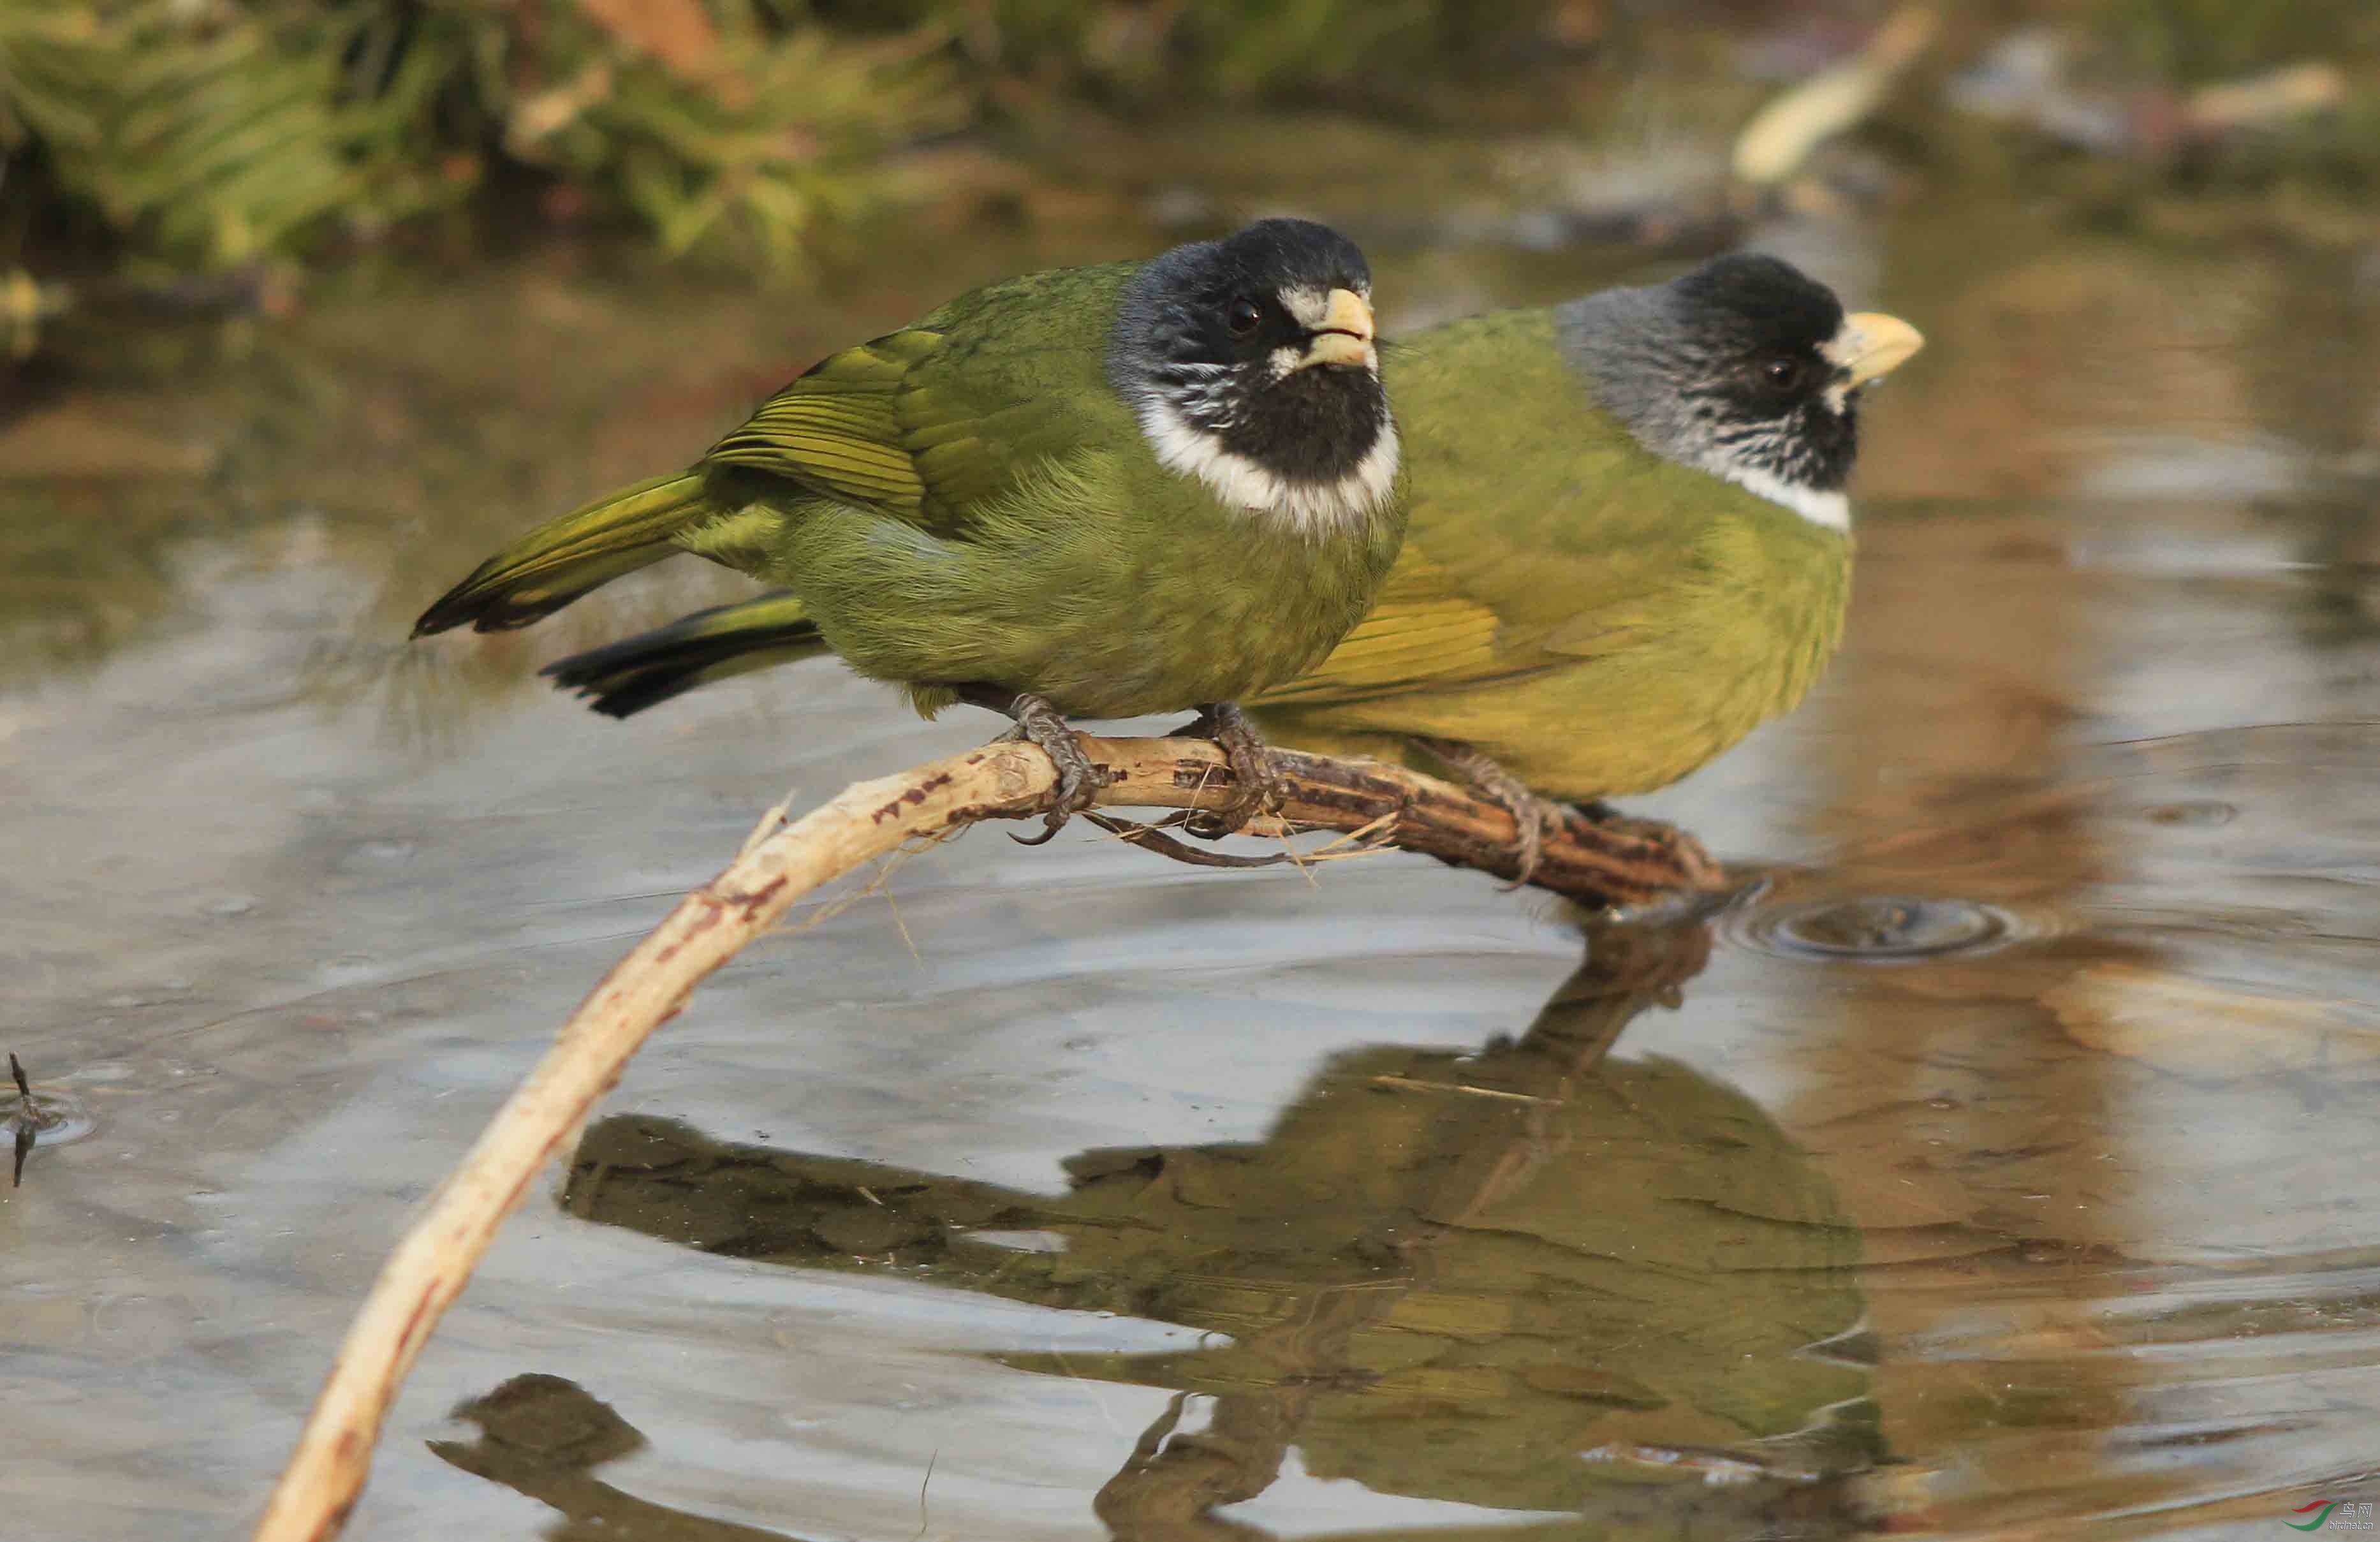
x: 1313, y: 509
x: 1830, y: 509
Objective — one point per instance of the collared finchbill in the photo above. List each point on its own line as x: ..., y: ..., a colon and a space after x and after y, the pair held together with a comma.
x: 1871, y: 345
x: 1343, y: 335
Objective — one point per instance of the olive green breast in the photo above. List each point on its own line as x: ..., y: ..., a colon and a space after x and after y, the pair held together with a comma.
x: 1112, y: 586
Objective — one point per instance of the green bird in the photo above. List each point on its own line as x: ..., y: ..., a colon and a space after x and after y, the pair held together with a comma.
x: 1629, y: 544
x: 1103, y: 492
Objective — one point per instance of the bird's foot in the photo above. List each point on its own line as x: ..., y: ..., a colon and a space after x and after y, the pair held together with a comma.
x: 1039, y: 724
x: 1258, y: 785
x: 1537, y: 818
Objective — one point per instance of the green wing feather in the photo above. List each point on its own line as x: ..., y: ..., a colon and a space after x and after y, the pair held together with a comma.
x: 924, y: 426
x: 566, y: 557
x: 837, y: 430
x: 928, y: 424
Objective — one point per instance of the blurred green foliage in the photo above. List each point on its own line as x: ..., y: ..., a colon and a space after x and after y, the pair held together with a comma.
x: 198, y: 134
x: 206, y: 134
x: 188, y: 137
x: 1137, y: 52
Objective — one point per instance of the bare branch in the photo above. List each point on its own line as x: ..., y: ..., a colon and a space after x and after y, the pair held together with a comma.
x: 1597, y: 863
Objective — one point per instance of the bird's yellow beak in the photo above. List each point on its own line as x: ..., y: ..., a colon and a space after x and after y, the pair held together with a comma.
x: 1344, y: 336
x: 1871, y: 345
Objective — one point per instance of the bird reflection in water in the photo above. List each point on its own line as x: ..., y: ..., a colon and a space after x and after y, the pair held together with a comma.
x: 545, y: 1437
x: 1536, y: 1277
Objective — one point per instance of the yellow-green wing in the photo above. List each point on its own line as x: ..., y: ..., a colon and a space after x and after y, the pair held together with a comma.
x: 1421, y: 631
x: 927, y: 422
x: 837, y: 430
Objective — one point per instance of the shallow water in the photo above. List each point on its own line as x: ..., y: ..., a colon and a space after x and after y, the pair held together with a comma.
x: 2003, y: 1166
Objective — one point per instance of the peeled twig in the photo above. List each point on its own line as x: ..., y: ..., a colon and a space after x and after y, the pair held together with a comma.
x: 1612, y: 861
x: 1784, y: 134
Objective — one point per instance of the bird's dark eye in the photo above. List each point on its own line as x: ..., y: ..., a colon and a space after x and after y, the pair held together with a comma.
x: 1782, y: 373
x: 1243, y: 315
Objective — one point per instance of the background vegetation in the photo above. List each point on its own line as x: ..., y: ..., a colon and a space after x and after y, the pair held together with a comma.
x: 171, y: 138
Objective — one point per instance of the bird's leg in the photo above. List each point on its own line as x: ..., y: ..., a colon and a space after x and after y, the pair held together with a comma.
x: 1537, y: 818
x: 1037, y: 722
x: 1258, y: 786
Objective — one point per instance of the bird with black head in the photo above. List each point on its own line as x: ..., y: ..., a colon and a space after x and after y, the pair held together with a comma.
x: 1629, y: 544
x: 1631, y: 536
x: 1100, y: 492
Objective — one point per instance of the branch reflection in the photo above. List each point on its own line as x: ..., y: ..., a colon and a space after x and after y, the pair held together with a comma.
x: 1536, y: 1279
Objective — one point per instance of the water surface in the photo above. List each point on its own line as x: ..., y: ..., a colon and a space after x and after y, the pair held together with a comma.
x: 2002, y: 1167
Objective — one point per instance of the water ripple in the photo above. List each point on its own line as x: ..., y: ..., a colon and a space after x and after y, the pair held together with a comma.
x: 1877, y: 928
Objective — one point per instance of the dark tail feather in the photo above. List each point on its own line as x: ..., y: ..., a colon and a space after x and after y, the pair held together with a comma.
x: 565, y: 557
x: 627, y: 677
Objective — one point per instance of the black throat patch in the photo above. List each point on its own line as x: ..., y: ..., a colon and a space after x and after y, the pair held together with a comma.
x: 1313, y: 427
